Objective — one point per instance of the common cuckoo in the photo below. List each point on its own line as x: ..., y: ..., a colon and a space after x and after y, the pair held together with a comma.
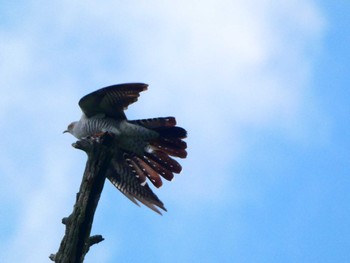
x: 143, y: 148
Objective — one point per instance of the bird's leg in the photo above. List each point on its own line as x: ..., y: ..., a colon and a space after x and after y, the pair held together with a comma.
x: 94, y: 136
x: 99, y: 134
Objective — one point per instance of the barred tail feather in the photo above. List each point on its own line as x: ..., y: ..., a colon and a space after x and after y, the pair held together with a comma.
x: 123, y: 178
x: 137, y: 171
x: 170, y: 136
x: 145, y: 202
x: 164, y: 160
x: 156, y: 161
x: 154, y: 123
x: 173, y: 142
x: 151, y: 173
x: 168, y: 149
x: 171, y: 132
x: 134, y: 198
x: 158, y: 167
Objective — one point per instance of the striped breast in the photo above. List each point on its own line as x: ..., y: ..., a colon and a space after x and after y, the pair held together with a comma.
x: 96, y: 125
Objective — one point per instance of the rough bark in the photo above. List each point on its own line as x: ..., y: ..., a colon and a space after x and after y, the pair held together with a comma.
x: 77, y: 240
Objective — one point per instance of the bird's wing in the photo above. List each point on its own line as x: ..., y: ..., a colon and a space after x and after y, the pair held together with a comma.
x: 111, y: 100
x: 125, y: 179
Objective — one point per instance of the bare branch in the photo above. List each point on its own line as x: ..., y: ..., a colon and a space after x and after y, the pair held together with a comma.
x: 77, y: 241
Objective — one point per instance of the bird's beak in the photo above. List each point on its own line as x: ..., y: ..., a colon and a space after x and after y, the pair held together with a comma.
x: 65, y: 131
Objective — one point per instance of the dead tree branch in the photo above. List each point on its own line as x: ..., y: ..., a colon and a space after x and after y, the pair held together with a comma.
x: 77, y: 240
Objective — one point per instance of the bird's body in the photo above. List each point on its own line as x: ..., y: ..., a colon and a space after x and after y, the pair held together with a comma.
x: 94, y: 125
x: 130, y: 137
x: 142, y: 147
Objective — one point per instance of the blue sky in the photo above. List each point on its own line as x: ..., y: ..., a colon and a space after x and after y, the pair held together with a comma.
x: 261, y: 87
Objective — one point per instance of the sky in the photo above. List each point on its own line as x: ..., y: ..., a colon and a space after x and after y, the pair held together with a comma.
x: 262, y: 88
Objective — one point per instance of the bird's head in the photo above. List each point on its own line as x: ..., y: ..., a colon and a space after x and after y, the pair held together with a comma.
x: 70, y: 127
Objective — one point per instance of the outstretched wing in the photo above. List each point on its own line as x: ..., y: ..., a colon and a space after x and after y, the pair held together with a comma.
x: 129, y: 171
x: 127, y: 181
x: 111, y: 100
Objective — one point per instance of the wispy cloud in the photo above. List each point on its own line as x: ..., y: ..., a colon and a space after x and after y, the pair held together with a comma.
x: 221, y: 67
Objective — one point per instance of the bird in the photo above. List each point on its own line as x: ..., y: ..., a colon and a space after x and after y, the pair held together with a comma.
x: 143, y: 150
